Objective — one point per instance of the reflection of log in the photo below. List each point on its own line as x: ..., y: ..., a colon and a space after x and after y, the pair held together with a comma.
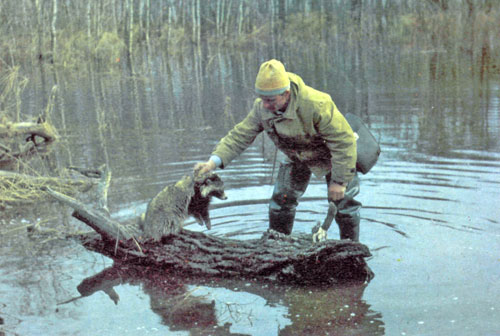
x: 24, y: 139
x: 274, y: 256
x: 179, y: 308
x: 333, y: 310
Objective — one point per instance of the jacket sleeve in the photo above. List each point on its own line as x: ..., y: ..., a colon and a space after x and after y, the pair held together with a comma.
x: 339, y: 138
x: 240, y: 137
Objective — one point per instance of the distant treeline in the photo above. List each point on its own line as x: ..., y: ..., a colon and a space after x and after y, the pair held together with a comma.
x: 68, y: 33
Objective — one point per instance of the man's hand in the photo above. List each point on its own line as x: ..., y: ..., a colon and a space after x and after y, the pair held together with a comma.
x: 336, y: 191
x: 204, y: 167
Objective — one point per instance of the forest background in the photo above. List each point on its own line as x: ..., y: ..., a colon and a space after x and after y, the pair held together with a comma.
x: 116, y: 35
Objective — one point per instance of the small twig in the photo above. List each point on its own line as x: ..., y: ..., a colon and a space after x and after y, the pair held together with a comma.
x: 16, y: 229
x: 5, y: 148
x: 117, y: 240
x: 71, y: 300
x: 92, y: 173
x: 48, y: 239
x: 137, y: 244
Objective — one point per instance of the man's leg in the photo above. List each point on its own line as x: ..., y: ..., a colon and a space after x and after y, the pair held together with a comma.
x: 348, y: 216
x: 292, y: 181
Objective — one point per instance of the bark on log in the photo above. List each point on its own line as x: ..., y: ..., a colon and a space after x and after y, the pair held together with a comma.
x: 275, y: 257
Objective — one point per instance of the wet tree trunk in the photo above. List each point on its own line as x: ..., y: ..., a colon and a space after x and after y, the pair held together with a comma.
x: 275, y: 257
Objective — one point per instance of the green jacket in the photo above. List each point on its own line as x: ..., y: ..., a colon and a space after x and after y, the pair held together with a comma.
x: 311, y: 130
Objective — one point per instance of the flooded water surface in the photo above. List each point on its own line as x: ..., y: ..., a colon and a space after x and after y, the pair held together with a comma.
x: 430, y: 206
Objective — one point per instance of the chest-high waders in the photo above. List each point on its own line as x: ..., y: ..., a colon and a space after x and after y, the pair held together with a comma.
x: 293, y: 179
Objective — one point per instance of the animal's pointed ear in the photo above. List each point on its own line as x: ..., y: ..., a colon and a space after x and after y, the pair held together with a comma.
x: 200, y: 177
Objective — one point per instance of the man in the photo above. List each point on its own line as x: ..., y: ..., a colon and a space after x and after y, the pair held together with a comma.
x: 304, y: 124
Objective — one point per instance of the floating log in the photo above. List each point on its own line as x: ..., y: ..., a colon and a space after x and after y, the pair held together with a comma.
x: 23, y: 140
x: 274, y: 256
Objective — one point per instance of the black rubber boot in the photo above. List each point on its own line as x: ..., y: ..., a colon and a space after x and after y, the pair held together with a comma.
x: 292, y: 181
x: 348, y: 216
x: 349, y: 227
x: 281, y: 221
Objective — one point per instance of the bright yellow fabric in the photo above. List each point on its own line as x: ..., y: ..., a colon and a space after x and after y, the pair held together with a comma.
x: 272, y: 79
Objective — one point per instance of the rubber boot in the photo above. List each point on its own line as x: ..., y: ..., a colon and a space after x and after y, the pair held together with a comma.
x: 281, y: 221
x: 348, y: 216
x: 292, y: 181
x: 349, y: 227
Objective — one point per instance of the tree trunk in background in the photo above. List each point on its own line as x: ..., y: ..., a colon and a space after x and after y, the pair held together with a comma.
x: 196, y: 22
x: 114, y: 16
x: 89, y: 29
x: 240, y: 17
x: 41, y: 56
x: 53, y: 31
x: 148, y: 24
x: 128, y: 33
x: 38, y: 15
x: 281, y: 15
x: 131, y: 34
x: 217, y: 18
x: 272, y: 19
x: 228, y: 18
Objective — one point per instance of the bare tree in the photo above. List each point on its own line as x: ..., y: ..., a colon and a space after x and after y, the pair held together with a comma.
x: 53, y: 30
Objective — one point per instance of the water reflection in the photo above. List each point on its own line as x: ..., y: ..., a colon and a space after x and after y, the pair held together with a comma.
x: 223, y: 307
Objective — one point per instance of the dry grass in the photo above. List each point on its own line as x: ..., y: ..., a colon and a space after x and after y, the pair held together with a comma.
x: 22, y: 189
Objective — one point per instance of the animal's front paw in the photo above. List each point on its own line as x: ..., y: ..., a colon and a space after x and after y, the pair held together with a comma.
x: 199, y: 221
x: 208, y: 224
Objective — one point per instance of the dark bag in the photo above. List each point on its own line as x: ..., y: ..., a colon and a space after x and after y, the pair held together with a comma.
x: 368, y: 149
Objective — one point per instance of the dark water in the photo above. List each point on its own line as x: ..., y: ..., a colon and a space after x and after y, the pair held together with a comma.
x: 430, y: 217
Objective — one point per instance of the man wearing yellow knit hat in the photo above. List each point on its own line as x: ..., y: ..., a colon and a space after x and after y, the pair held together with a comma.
x: 307, y: 127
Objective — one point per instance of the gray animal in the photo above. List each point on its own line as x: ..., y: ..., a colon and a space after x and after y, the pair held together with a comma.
x: 167, y: 211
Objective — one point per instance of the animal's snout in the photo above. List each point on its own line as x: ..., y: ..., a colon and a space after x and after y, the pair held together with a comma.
x: 222, y: 196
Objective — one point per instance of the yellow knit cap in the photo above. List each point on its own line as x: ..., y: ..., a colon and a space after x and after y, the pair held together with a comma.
x: 272, y: 79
